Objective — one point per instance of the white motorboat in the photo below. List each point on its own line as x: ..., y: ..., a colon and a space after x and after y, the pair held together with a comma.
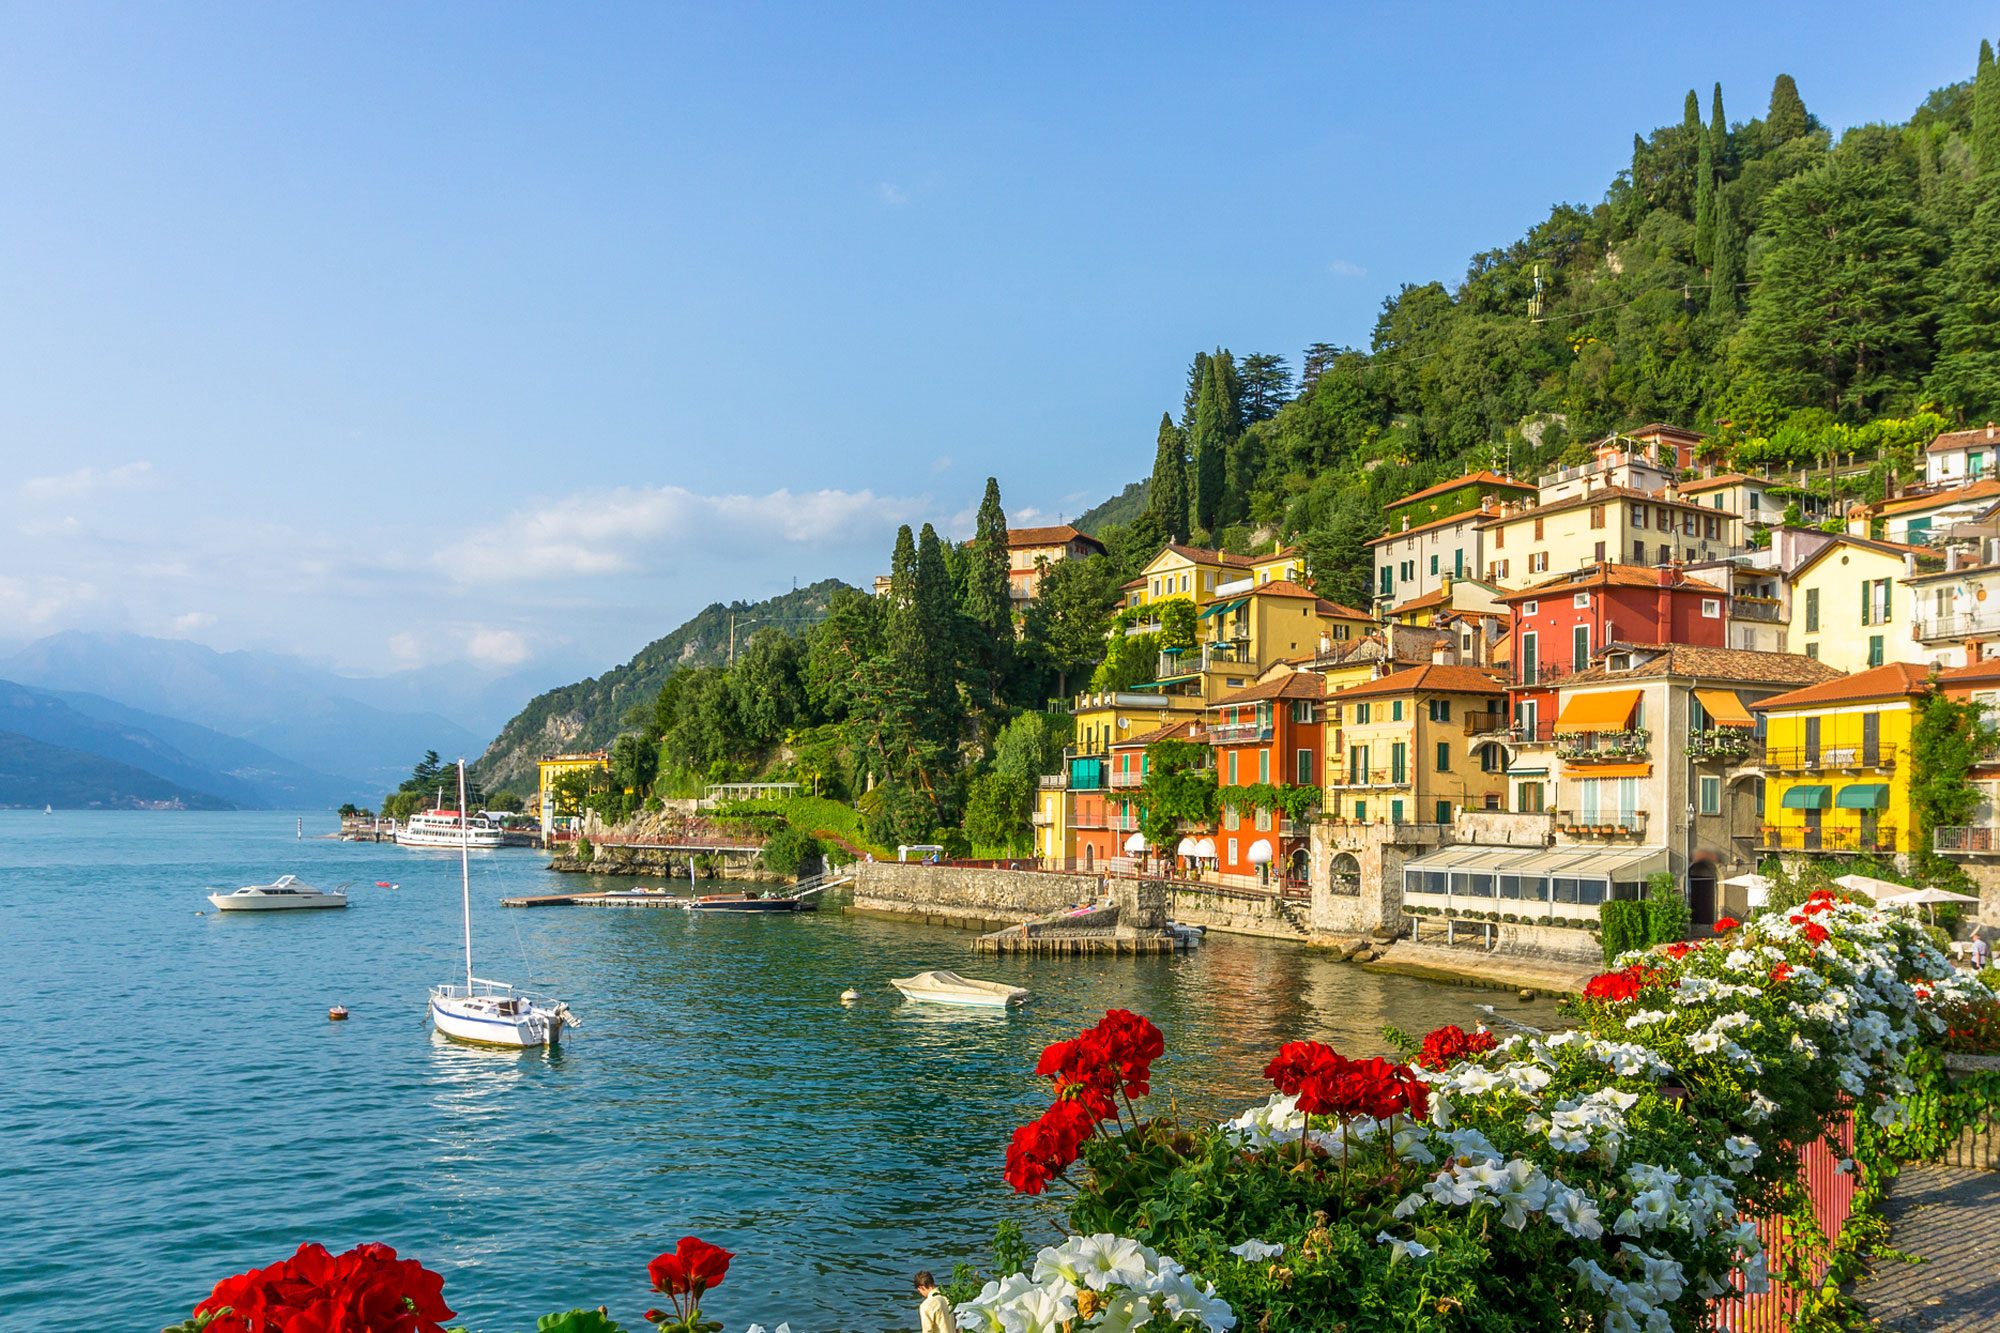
x: 950, y: 988
x: 449, y: 828
x: 491, y: 1013
x: 283, y: 894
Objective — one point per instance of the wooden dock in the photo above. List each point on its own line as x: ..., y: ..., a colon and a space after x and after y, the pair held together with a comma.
x: 1014, y: 940
x: 606, y: 899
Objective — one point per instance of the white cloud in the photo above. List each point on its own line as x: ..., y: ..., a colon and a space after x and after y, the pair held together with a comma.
x: 633, y: 529
x: 895, y: 196
x: 496, y: 647
x: 1341, y: 268
x: 192, y: 623
x: 87, y: 481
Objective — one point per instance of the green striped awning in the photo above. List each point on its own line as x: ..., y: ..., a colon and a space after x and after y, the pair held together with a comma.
x: 1808, y: 798
x: 1863, y: 796
x: 1221, y: 608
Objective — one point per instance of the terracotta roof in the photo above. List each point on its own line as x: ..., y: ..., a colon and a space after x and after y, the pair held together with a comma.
x: 1060, y: 535
x: 1726, y: 479
x: 1188, y: 729
x: 1462, y: 516
x: 1972, y: 673
x: 1279, y: 588
x: 1891, y: 681
x: 1964, y: 439
x: 1747, y: 665
x: 1435, y: 597
x: 1201, y: 555
x: 1607, y: 575
x: 1335, y: 609
x: 1296, y: 685
x: 1926, y: 553
x: 1602, y: 495
x: 1139, y: 582
x: 1480, y: 478
x: 1662, y: 428
x: 1978, y: 490
x: 1279, y: 554
x: 1432, y: 678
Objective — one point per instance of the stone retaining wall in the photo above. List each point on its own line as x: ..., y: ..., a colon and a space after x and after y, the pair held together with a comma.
x: 1236, y: 916
x: 972, y: 898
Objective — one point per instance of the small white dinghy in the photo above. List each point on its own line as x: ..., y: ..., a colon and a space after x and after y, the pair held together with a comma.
x: 951, y: 988
x: 283, y: 894
x: 490, y: 1013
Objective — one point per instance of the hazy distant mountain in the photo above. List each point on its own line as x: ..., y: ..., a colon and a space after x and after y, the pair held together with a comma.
x: 36, y: 773
x: 477, y: 699
x: 303, y: 713
x: 185, y: 753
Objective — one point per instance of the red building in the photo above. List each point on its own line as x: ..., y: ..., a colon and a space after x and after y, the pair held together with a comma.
x: 1555, y: 626
x: 1268, y: 733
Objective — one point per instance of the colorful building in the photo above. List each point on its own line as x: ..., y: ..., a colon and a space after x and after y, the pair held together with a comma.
x: 551, y: 767
x: 1609, y: 525
x: 1836, y: 763
x: 1976, y: 843
x: 1959, y: 457
x: 1408, y: 747
x: 1755, y: 500
x: 1271, y: 734
x: 1031, y: 551
x: 1846, y: 608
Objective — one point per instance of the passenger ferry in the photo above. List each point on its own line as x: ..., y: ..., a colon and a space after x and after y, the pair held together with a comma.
x: 448, y: 828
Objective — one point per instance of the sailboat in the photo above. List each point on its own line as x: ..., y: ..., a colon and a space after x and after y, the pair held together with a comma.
x: 489, y: 1012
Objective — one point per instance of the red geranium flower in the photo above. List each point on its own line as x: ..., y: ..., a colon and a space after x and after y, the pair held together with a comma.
x: 1724, y: 925
x: 690, y: 1268
x: 368, y: 1288
x: 1781, y: 973
x: 1617, y: 987
x: 1815, y: 932
x: 1446, y: 1046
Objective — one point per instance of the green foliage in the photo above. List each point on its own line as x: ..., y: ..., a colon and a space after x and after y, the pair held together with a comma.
x: 1129, y: 659
x: 1296, y: 802
x: 897, y: 815
x: 578, y: 1321
x: 1067, y: 621
x: 1967, y: 374
x: 1178, y: 620
x: 1668, y: 917
x: 1787, y: 117
x: 1947, y: 738
x: 1178, y: 785
x: 1623, y: 926
x: 1167, y: 500
x: 791, y: 852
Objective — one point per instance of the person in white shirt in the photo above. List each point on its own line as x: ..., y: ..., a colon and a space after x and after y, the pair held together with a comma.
x: 934, y: 1315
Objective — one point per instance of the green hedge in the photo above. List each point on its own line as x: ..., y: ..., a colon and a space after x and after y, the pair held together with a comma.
x: 1626, y: 925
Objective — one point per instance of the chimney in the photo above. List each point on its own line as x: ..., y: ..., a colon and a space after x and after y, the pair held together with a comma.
x: 1857, y: 520
x: 1989, y: 430
x: 1441, y: 653
x: 1485, y: 504
x: 1325, y: 643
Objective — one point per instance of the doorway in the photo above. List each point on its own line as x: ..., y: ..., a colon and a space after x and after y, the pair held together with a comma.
x: 1701, y: 893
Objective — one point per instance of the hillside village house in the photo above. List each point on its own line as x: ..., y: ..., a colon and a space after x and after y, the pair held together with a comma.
x: 549, y: 769
x: 1917, y: 519
x: 1760, y: 588
x: 1407, y: 747
x: 1270, y: 733
x: 1616, y: 524
x: 1752, y: 499
x: 1031, y: 551
x: 1958, y: 457
x: 1432, y: 536
x: 1975, y: 844
x: 1955, y: 607
x: 1836, y: 763
x: 1846, y: 608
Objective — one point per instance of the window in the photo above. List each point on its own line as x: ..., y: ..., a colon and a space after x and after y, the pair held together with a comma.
x: 1263, y: 820
x: 1184, y: 583
x: 1388, y: 580
x: 1688, y: 528
x: 1302, y: 710
x: 1361, y: 812
x: 1538, y: 529
x: 1812, y: 610
x: 1444, y: 814
x: 1263, y: 766
x: 1711, y: 795
x: 1717, y: 501
x: 1528, y: 798
x: 1230, y: 819
x: 1499, y: 538
x: 1503, y: 570
x: 1711, y: 608
x: 1875, y: 602
x: 1361, y: 712
x: 1663, y: 519
x: 1439, y: 710
x: 1711, y: 526
x: 1395, y: 812
x: 1638, y: 553
x: 1395, y: 710
x: 1409, y: 570
x: 1599, y: 555
x: 1874, y: 650
x: 1812, y: 651
x: 1579, y: 648
x: 1306, y: 774
x: 1596, y: 517
x: 1638, y: 516
x: 1357, y: 764
x: 1458, y: 563
x: 1399, y: 763
x: 1755, y: 501
x: 1580, y: 600
x: 1489, y: 759
x: 1444, y: 759
x: 1530, y: 608
x: 1666, y: 553
x: 1434, y: 562
x: 1232, y: 851
x: 1538, y: 562
x: 1232, y: 768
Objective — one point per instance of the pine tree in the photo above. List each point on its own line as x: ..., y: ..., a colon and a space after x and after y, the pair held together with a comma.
x: 987, y: 599
x: 1167, y: 501
x: 903, y: 568
x: 1197, y: 376
x: 1986, y: 112
x: 1967, y: 374
x: 1726, y: 266
x: 1213, y: 415
x: 1315, y: 361
x: 1267, y: 386
x: 1786, y: 120
x: 1718, y: 133
x: 1704, y: 202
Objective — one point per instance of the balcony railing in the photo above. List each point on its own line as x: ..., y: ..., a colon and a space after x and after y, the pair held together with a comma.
x: 1601, y: 824
x: 1604, y: 747
x: 1539, y: 732
x: 1041, y: 818
x: 1238, y: 733
x: 1730, y: 743
x: 1801, y: 759
x: 1967, y: 840
x: 1054, y: 781
x: 1483, y: 724
x: 1528, y: 674
x: 1767, y: 609
x: 1373, y: 777
x: 1121, y: 781
x: 1958, y: 624
x: 1801, y: 839
x: 1203, y: 657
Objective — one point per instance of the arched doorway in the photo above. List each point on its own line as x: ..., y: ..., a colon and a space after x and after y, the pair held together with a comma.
x: 1298, y: 866
x: 1701, y: 890
x: 1089, y: 856
x: 1344, y: 874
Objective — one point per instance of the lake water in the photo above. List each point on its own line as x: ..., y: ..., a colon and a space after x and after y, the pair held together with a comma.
x: 178, y: 1108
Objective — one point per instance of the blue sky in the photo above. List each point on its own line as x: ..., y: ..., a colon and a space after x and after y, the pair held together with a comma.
x: 398, y: 335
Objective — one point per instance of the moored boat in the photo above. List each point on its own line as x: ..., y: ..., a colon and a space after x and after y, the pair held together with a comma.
x: 743, y: 902
x: 283, y: 894
x: 941, y: 987
x: 449, y: 828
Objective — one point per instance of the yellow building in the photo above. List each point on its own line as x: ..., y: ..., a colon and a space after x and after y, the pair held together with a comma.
x: 1051, y: 819
x: 1401, y: 749
x: 549, y: 768
x: 1836, y: 763
x: 1846, y: 608
x: 1189, y: 571
x: 1525, y: 545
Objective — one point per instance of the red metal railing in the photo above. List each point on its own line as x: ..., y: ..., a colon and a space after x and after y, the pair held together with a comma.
x: 1831, y: 1191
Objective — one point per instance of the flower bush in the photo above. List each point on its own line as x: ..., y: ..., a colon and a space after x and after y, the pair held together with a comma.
x: 1599, y: 1177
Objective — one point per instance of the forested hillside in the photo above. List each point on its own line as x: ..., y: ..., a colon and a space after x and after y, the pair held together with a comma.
x: 590, y: 714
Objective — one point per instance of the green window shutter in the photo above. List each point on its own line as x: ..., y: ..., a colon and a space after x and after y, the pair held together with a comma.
x: 1867, y: 597
x: 1444, y: 760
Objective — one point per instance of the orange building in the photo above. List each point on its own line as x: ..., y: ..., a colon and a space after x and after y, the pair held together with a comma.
x: 1269, y: 734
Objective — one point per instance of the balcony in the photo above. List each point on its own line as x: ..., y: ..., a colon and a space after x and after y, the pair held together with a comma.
x: 1485, y: 724
x: 1733, y: 744
x: 1958, y: 624
x: 1540, y: 732
x: 1605, y: 747
x: 1204, y: 657
x: 1601, y: 824
x: 1817, y: 759
x: 1766, y: 609
x: 1125, y: 781
x: 1530, y: 674
x: 1239, y: 733
x: 1041, y: 818
x: 1054, y: 781
x: 1375, y: 777
x: 1966, y: 840
x: 1771, y: 839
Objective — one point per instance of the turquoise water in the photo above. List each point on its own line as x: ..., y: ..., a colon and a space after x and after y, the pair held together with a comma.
x: 178, y: 1108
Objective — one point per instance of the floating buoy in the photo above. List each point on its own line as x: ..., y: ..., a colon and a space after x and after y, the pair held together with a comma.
x: 201, y: 914
x: 850, y: 996
x: 337, y: 1013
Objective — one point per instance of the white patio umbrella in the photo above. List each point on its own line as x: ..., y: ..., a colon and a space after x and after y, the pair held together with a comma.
x: 1260, y: 853
x: 1881, y: 890
x: 1205, y: 849
x: 1186, y: 847
x: 1756, y: 887
x: 1926, y: 898
x: 1136, y: 843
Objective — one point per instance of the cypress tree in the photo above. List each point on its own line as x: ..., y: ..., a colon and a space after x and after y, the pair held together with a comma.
x: 1967, y: 374
x: 1167, y: 502
x: 1197, y: 374
x: 1212, y: 418
x: 1986, y: 112
x: 1726, y: 267
x: 1704, y: 203
x: 1718, y: 133
x: 1786, y: 119
x: 934, y: 611
x: 903, y: 569
x: 987, y: 601
x: 1691, y: 112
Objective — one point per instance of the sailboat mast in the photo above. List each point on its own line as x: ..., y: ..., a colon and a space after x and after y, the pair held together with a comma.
x: 465, y: 875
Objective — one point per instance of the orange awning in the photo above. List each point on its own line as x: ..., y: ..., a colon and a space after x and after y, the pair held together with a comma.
x: 1725, y: 708
x: 1607, y: 711
x: 1609, y: 770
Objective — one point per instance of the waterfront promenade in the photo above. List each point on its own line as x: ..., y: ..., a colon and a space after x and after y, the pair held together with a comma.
x: 1946, y: 1219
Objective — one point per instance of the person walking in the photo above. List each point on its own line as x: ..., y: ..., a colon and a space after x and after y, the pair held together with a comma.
x: 934, y: 1315
x: 1980, y: 953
